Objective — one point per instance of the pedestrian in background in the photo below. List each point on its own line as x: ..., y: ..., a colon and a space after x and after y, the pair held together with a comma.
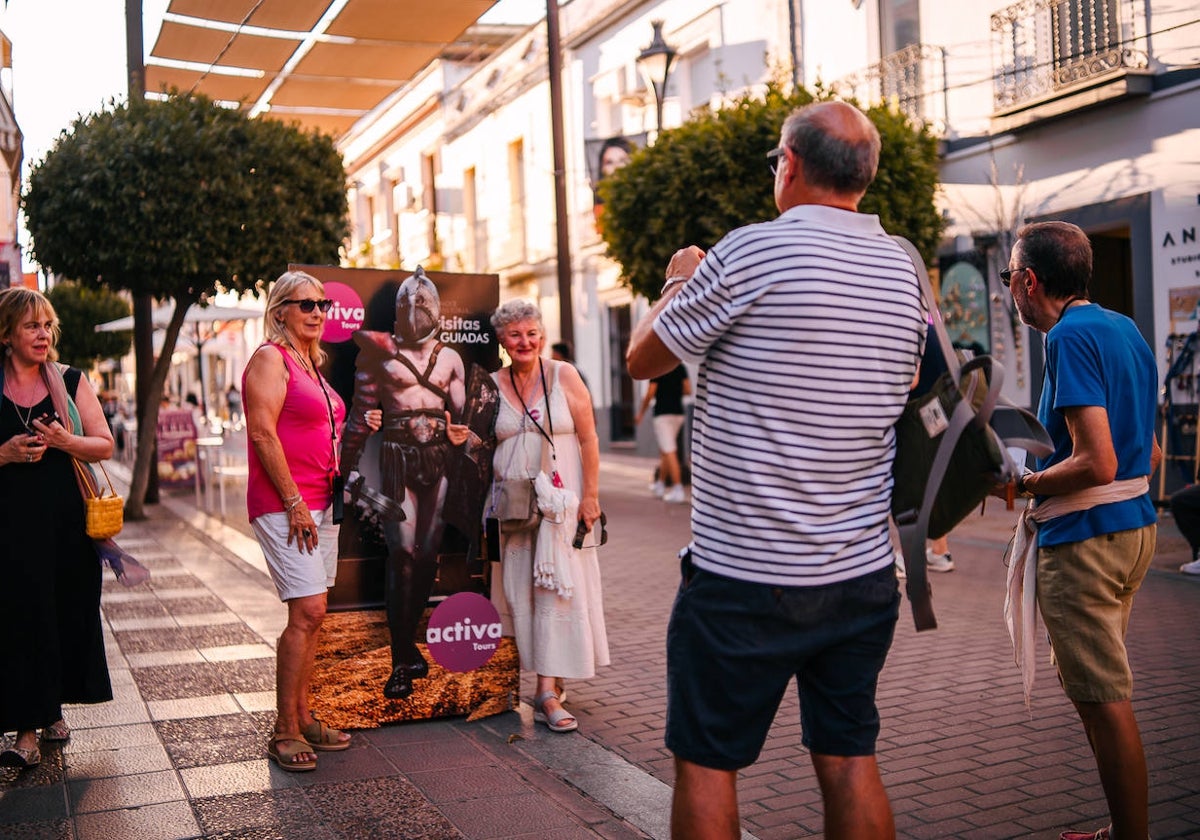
x: 789, y: 576
x: 1185, y: 507
x: 294, y: 424
x: 667, y: 393
x: 1096, y: 521
x: 51, y: 641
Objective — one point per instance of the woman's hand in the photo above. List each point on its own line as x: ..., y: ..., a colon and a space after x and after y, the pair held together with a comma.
x: 23, y: 449
x: 589, y: 510
x: 456, y: 433
x: 52, y: 432
x: 302, y: 527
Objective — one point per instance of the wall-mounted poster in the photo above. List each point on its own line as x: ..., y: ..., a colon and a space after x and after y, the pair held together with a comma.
x: 605, y: 155
x: 411, y: 633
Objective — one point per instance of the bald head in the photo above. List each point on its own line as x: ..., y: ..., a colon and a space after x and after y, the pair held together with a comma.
x: 837, y: 145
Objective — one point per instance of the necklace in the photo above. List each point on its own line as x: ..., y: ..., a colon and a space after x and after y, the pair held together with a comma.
x: 530, y: 384
x: 28, y: 418
x: 1067, y: 306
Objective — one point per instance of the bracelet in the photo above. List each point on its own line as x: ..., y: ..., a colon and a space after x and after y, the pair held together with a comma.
x: 291, y: 501
x: 673, y: 280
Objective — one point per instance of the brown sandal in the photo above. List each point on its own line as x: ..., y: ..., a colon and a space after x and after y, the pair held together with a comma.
x: 322, y: 737
x: 20, y: 757
x: 283, y: 750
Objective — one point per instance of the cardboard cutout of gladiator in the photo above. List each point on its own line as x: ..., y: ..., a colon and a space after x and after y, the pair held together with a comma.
x: 425, y: 363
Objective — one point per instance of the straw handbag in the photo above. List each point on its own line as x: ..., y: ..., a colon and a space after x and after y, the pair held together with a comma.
x: 105, y: 513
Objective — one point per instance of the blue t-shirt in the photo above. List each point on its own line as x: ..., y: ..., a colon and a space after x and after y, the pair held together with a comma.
x: 1095, y: 357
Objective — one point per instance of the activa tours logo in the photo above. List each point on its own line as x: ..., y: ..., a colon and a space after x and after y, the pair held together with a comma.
x: 464, y: 632
x: 345, y: 316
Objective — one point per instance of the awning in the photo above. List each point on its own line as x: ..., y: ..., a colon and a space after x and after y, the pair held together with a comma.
x: 322, y: 63
x: 196, y: 314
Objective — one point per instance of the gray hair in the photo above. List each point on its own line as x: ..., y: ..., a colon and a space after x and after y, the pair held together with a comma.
x: 284, y: 289
x: 514, y: 311
x: 830, y: 160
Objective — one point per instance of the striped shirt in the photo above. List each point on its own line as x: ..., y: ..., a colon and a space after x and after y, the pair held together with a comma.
x: 808, y: 330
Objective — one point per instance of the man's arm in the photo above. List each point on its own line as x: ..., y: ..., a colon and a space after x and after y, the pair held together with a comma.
x: 1092, y: 462
x: 647, y: 356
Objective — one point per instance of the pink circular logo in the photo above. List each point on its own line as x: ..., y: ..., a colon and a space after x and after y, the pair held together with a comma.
x: 464, y: 632
x: 345, y: 316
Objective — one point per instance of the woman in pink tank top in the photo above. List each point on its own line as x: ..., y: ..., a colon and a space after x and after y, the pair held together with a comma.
x: 294, y: 423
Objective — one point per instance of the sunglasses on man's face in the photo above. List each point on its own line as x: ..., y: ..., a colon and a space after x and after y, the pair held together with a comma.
x: 307, y: 306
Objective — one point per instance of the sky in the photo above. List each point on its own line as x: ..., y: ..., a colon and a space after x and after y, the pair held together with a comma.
x: 69, y: 59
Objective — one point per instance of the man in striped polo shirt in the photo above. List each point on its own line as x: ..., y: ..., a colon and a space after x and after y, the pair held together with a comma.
x: 790, y: 570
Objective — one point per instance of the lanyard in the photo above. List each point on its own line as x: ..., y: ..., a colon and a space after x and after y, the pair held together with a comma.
x: 549, y: 419
x: 333, y: 436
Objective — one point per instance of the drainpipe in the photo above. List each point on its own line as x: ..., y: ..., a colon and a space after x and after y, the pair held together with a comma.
x: 566, y: 316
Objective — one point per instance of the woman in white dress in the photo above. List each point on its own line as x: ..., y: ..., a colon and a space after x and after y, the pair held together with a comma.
x: 545, y: 425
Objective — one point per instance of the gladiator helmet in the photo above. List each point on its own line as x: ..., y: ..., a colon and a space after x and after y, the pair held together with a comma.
x: 418, y: 308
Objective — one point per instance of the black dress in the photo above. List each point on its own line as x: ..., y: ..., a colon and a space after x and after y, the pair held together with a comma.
x: 51, y: 642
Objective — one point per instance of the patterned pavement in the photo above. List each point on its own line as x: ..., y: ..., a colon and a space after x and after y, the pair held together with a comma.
x: 179, y: 753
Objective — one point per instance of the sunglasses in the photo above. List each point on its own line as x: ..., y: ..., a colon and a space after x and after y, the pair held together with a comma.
x: 307, y: 306
x: 1007, y: 274
x: 582, y: 531
x: 773, y: 159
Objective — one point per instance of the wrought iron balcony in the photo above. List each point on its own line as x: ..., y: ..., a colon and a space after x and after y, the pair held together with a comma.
x: 913, y: 79
x: 1047, y: 48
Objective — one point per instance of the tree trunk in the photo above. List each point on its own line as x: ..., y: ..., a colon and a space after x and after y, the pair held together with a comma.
x: 146, y: 463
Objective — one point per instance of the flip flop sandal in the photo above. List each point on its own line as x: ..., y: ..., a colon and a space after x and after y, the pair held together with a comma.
x: 323, y: 737
x: 1071, y: 834
x: 284, y: 748
x: 560, y: 720
x: 20, y: 757
x: 57, y: 732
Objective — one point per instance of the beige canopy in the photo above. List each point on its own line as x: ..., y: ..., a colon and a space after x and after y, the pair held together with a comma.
x: 322, y: 63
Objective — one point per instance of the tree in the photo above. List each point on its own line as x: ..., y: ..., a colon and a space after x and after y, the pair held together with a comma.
x: 79, y: 309
x: 177, y: 199
x: 707, y: 177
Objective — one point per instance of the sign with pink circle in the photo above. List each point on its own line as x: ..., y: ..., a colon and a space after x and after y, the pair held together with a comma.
x: 464, y: 632
x: 345, y: 316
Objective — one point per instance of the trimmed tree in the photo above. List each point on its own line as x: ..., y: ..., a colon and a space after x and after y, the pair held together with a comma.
x: 709, y: 176
x: 178, y: 199
x: 79, y: 309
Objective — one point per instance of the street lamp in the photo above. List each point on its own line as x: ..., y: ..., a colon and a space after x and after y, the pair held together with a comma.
x: 655, y: 64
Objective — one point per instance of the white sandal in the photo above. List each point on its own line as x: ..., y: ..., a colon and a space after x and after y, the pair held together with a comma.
x: 560, y: 720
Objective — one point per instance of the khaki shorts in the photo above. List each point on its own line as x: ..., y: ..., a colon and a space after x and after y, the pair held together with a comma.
x: 296, y: 573
x: 666, y: 431
x: 1085, y: 592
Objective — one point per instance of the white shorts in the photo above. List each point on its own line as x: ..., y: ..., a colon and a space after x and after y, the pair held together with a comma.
x: 296, y: 573
x: 666, y: 431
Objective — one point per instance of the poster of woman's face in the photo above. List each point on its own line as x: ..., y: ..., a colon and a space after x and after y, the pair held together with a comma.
x: 605, y: 156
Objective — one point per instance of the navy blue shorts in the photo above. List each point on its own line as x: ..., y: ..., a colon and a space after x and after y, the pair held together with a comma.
x: 733, y: 647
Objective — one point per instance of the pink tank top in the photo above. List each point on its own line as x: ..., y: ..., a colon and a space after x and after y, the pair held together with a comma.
x: 303, y: 429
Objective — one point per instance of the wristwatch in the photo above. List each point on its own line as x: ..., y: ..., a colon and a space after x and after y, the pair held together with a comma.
x: 1022, y: 490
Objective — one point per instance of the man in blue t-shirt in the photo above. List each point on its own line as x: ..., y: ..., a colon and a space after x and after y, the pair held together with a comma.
x: 1099, y: 403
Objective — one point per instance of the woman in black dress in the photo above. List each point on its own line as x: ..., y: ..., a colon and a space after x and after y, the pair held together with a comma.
x: 51, y: 643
